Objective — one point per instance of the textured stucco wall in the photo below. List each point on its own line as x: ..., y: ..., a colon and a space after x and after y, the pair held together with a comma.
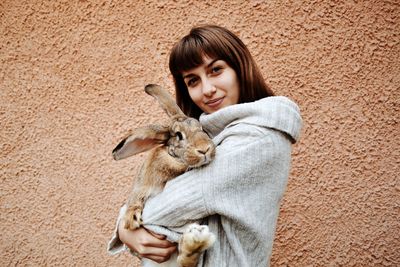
x: 71, y: 81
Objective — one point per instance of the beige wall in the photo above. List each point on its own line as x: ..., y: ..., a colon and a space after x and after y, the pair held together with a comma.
x: 71, y: 81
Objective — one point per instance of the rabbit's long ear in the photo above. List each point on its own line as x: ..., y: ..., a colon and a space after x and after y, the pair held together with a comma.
x: 165, y: 100
x: 141, y: 140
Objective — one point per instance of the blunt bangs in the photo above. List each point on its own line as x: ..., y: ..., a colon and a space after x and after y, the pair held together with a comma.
x: 189, y: 54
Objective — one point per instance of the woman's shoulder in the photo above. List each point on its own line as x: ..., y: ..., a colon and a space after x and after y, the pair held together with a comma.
x: 276, y: 113
x: 242, y: 134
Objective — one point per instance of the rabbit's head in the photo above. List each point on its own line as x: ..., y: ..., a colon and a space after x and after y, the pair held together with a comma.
x: 184, y: 137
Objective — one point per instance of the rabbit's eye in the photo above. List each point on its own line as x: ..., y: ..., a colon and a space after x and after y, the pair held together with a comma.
x: 179, y: 135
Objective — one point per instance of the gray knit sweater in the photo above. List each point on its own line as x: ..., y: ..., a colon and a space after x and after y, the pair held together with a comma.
x: 238, y: 194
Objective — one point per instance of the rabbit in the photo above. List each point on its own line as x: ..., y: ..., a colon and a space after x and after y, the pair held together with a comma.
x: 174, y: 148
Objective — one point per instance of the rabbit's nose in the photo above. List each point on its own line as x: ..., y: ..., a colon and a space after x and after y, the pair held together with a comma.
x: 203, y: 151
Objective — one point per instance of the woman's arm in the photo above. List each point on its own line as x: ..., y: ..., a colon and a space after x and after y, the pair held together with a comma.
x: 240, y: 170
x: 250, y: 170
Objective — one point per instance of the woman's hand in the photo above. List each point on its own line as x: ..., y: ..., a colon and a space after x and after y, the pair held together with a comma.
x: 147, y: 244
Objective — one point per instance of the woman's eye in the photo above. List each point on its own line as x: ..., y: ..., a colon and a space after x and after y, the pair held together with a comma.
x: 216, y: 69
x: 179, y: 135
x: 192, y: 82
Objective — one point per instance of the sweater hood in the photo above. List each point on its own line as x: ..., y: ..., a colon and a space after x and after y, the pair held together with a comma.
x: 276, y: 112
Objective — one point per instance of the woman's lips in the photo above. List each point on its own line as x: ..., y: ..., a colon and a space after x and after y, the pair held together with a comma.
x: 215, y: 102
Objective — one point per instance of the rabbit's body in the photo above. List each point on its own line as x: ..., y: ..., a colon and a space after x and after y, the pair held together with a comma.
x: 173, y: 149
x: 158, y: 169
x: 155, y: 172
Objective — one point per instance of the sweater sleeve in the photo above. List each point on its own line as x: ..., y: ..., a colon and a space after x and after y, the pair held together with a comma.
x: 192, y: 196
x: 227, y: 185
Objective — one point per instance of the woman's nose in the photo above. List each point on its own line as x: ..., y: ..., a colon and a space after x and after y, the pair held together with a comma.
x: 208, y: 88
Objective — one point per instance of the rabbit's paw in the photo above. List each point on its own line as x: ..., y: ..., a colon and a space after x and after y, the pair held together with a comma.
x: 133, y: 218
x: 197, y: 238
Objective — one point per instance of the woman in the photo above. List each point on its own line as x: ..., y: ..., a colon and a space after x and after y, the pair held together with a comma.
x: 238, y: 194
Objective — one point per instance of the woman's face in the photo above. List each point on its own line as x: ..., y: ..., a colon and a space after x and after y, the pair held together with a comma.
x: 212, y: 85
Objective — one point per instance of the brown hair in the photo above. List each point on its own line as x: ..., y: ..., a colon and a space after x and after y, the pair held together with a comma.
x: 215, y: 42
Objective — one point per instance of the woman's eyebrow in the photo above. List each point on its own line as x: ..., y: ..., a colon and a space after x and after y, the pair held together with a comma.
x: 212, y: 62
x: 188, y: 75
x: 208, y: 66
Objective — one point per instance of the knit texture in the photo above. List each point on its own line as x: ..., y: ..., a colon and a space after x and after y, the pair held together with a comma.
x: 239, y: 192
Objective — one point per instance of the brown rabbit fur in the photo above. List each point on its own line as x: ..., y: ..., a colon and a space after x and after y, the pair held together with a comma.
x: 174, y: 148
